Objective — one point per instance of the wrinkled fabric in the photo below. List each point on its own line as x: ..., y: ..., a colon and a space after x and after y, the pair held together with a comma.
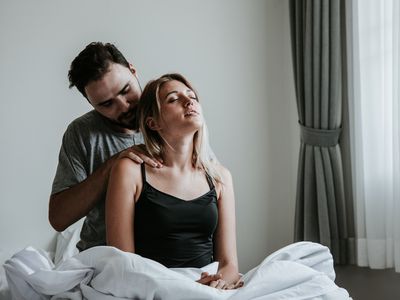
x: 299, y: 271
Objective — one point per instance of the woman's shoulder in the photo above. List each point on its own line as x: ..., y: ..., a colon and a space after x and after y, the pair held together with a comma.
x: 224, y: 175
x: 222, y: 171
x: 126, y: 166
x: 224, y: 182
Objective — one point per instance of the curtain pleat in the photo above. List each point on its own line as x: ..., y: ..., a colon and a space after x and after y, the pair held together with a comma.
x: 320, y: 202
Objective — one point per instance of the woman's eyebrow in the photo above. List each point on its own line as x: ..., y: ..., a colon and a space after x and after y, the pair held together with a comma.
x: 175, y: 92
x: 170, y: 93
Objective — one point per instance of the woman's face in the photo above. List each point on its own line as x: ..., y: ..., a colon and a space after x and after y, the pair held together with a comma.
x: 180, y: 111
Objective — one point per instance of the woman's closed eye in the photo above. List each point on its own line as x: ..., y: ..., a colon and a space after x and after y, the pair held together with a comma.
x: 172, y: 99
x: 178, y: 96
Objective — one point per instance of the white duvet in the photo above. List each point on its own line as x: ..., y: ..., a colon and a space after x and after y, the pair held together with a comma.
x: 299, y: 271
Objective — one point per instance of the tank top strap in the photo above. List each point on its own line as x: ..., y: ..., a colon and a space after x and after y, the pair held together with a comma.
x: 209, y: 181
x: 143, y: 169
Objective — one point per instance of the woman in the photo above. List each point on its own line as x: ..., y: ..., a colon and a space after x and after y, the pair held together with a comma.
x: 183, y: 214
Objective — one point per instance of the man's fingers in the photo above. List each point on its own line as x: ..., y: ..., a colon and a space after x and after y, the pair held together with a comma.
x: 138, y: 154
x: 132, y: 156
x: 146, y: 159
x: 150, y: 162
x: 140, y: 158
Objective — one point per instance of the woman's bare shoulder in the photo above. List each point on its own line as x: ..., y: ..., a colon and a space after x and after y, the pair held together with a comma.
x: 125, y: 166
x: 223, y: 172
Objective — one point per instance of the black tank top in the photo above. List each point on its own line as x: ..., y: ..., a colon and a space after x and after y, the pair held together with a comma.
x: 175, y: 232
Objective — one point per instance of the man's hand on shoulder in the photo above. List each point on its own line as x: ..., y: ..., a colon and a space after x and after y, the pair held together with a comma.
x: 139, y: 155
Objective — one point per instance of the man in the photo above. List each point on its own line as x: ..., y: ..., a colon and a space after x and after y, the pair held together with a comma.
x: 93, y: 142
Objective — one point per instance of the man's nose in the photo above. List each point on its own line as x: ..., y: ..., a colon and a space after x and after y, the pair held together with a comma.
x: 133, y: 100
x: 123, y: 103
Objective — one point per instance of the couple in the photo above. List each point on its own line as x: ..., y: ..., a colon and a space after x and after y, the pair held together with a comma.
x: 180, y: 212
x: 169, y: 201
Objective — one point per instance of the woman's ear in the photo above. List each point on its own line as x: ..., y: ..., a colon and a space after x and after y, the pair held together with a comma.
x: 152, y: 124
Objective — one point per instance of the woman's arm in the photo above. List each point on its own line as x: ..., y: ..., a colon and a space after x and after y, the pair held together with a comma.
x: 225, y: 235
x: 122, y: 192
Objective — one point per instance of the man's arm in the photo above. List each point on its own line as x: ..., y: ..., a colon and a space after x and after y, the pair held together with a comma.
x: 70, y: 205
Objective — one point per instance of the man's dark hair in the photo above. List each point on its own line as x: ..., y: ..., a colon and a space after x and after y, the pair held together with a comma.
x: 92, y: 63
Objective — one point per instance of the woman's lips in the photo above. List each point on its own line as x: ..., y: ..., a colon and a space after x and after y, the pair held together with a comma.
x: 191, y: 113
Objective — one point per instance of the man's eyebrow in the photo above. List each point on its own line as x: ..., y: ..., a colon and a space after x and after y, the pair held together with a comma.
x: 123, y: 88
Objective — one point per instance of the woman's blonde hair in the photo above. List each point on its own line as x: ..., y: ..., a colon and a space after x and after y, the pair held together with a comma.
x: 149, y: 106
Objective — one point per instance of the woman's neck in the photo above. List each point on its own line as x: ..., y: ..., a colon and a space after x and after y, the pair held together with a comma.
x: 178, y: 152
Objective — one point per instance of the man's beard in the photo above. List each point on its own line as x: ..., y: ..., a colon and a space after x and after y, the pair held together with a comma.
x: 126, y: 120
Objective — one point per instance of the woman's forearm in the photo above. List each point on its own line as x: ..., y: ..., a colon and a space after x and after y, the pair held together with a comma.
x: 229, y: 273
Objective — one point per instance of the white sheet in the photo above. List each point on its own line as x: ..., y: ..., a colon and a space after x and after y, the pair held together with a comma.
x: 65, y: 248
x: 299, y: 271
x: 4, y: 290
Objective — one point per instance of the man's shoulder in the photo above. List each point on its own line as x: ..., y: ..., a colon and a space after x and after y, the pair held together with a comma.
x: 92, y: 126
x: 88, y: 119
x: 89, y: 123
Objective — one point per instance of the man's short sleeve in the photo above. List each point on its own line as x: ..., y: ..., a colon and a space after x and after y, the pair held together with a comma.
x: 71, y: 161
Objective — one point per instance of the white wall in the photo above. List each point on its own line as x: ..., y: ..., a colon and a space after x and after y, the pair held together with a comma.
x: 237, y: 54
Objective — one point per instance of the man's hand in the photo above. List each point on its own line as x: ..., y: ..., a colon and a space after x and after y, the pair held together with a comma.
x: 139, y: 155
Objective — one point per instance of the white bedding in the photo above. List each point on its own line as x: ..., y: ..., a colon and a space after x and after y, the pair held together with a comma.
x: 4, y: 290
x: 299, y: 271
x: 65, y: 248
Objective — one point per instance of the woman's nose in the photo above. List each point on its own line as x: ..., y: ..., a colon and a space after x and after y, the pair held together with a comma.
x: 188, y: 101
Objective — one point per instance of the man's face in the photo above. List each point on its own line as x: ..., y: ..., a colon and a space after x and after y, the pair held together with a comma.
x: 116, y: 95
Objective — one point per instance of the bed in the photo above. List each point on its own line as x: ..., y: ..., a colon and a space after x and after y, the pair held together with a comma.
x: 299, y: 271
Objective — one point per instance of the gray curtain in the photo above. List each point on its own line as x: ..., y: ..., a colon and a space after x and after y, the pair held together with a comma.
x: 317, y: 41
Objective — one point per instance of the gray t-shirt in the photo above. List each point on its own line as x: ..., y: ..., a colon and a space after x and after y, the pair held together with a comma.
x: 87, y: 143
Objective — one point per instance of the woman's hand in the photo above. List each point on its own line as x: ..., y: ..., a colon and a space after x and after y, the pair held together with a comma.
x: 206, y: 278
x: 216, y: 281
x: 233, y: 286
x: 222, y: 285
